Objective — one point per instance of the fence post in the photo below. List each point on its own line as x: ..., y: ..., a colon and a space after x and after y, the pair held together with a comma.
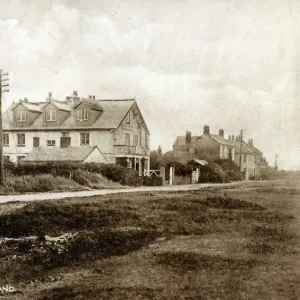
x: 163, y: 174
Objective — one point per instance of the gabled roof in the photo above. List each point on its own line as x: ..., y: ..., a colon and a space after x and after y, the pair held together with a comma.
x: 112, y: 114
x: 60, y: 105
x: 92, y: 104
x: 114, y: 111
x: 71, y: 154
x: 220, y: 140
x: 244, y: 149
x: 254, y: 149
x: 181, y: 140
x: 200, y: 162
x: 29, y: 106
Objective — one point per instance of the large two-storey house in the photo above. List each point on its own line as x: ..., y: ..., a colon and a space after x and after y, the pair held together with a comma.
x: 116, y: 127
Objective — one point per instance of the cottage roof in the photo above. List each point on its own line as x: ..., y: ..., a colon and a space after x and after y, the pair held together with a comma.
x: 91, y: 103
x: 254, y: 149
x: 244, y: 149
x: 71, y: 154
x: 30, y: 106
x: 219, y: 139
x: 112, y: 114
x: 200, y: 162
x: 61, y: 105
x: 114, y: 111
x: 181, y: 140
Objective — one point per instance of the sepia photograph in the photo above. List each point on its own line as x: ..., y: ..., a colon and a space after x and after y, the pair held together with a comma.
x: 149, y: 150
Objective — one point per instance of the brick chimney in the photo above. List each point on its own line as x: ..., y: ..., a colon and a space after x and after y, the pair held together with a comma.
x: 188, y: 137
x: 206, y: 130
x: 221, y: 132
x: 74, y: 99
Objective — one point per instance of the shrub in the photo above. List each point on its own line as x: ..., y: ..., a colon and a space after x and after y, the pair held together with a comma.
x: 212, y: 172
x: 231, y: 169
x: 121, y: 174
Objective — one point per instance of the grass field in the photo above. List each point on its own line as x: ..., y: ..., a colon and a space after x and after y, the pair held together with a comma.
x: 234, y: 243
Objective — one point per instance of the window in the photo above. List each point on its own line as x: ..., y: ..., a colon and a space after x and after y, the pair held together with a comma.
x: 21, y: 116
x: 82, y: 114
x: 50, y: 115
x: 51, y: 143
x: 20, y: 158
x: 146, y: 140
x: 135, y: 140
x: 36, y: 142
x: 5, y: 139
x: 127, y: 139
x: 21, y: 139
x: 85, y: 138
x: 127, y: 118
x: 6, y: 158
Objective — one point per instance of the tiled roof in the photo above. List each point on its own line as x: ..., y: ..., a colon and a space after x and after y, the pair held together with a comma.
x: 180, y: 140
x: 254, y: 149
x: 244, y: 150
x: 31, y: 106
x: 219, y: 139
x: 78, y: 154
x: 92, y: 104
x: 200, y: 162
x: 61, y: 105
x: 114, y: 111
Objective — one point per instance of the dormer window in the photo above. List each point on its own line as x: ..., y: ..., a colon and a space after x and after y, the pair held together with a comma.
x: 82, y: 114
x: 21, y: 116
x: 50, y: 115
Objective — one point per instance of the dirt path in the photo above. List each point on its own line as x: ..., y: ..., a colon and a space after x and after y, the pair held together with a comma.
x: 63, y: 195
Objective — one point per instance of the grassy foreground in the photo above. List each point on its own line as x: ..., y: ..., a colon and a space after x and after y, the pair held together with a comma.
x: 239, y: 243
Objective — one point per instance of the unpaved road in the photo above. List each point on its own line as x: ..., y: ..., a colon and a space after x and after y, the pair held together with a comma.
x: 63, y: 195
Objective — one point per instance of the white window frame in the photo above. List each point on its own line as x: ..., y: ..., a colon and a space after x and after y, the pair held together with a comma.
x: 85, y: 114
x: 85, y: 138
x: 50, y: 115
x: 51, y: 143
x: 5, y: 139
x: 21, y: 116
x: 18, y: 139
x: 82, y: 114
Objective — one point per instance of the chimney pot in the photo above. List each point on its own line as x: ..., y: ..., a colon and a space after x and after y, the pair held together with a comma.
x: 75, y: 93
x: 206, y: 130
x: 188, y: 137
x: 221, y: 132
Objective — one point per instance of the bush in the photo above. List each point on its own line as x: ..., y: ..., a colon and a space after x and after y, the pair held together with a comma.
x: 114, y: 172
x: 121, y: 174
x: 231, y: 169
x: 212, y: 172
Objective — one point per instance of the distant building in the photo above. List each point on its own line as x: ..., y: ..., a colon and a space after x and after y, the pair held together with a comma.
x: 212, y: 147
x: 208, y: 146
x: 116, y: 127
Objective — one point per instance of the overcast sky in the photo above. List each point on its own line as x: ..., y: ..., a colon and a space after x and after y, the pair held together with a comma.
x: 229, y: 64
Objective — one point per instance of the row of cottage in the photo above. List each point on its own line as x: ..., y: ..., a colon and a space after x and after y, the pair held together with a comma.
x: 212, y: 147
x: 107, y: 131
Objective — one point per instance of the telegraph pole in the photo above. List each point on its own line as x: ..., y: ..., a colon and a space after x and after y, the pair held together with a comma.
x: 241, y: 142
x: 3, y: 88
